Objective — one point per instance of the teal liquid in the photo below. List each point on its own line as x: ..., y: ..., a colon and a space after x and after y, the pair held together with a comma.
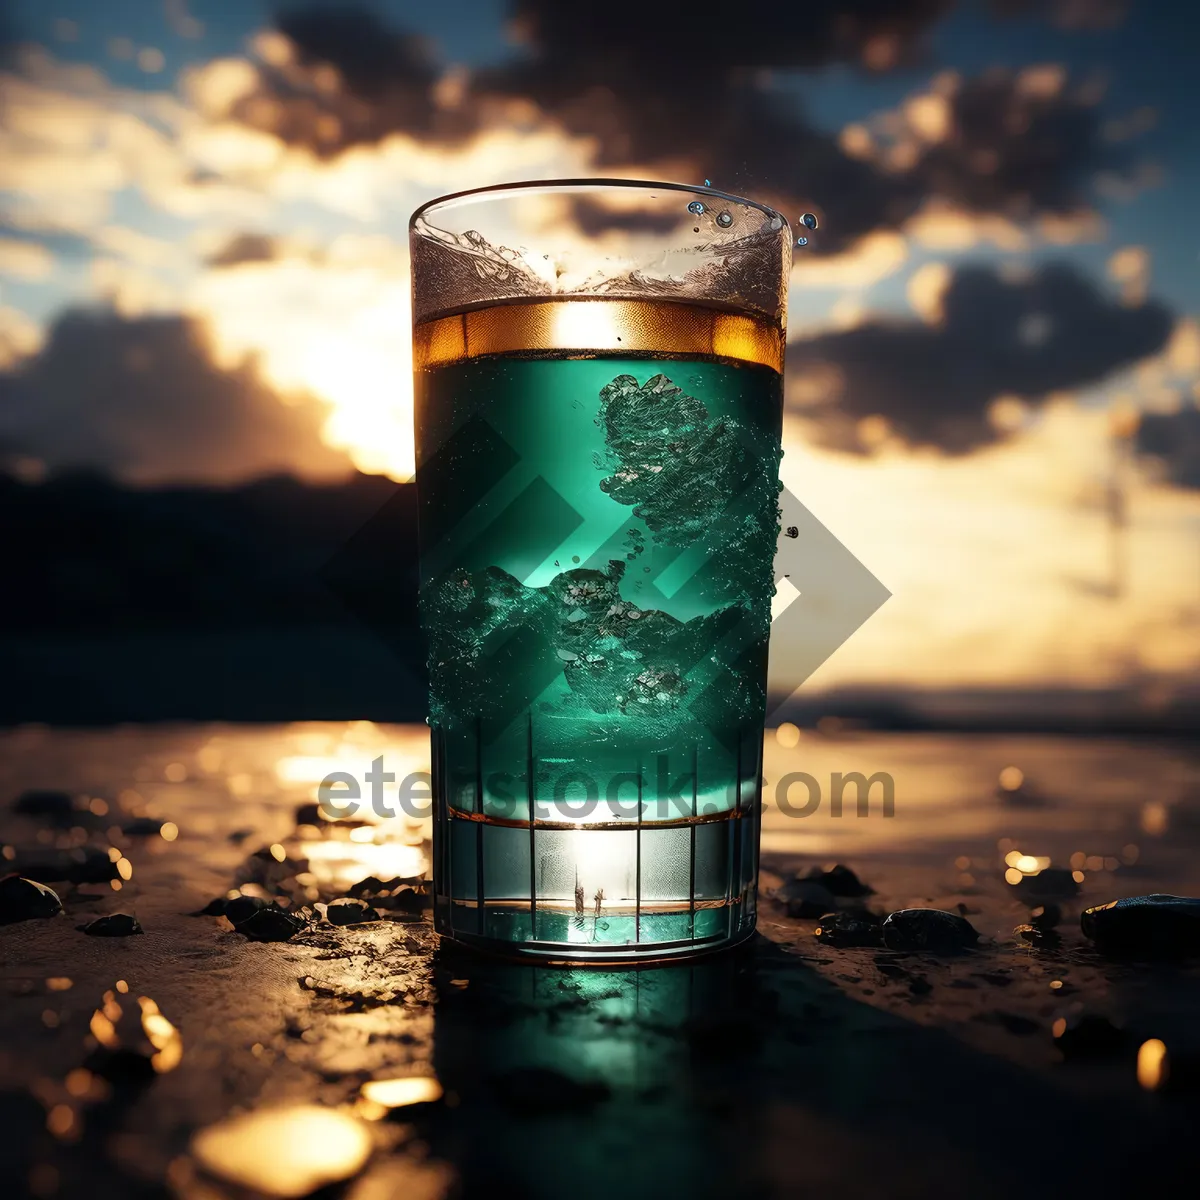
x: 597, y: 544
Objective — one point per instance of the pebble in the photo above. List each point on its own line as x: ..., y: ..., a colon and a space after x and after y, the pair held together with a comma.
x: 349, y: 911
x: 848, y: 929
x: 83, y: 864
x: 1038, y: 935
x: 1046, y: 916
x: 928, y: 929
x: 115, y: 925
x: 840, y: 880
x: 45, y: 802
x: 1155, y: 926
x: 804, y: 899
x: 142, y: 827
x: 270, y: 925
x: 239, y: 909
x: 25, y: 899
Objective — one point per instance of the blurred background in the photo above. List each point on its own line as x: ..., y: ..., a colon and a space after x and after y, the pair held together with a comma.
x: 993, y: 385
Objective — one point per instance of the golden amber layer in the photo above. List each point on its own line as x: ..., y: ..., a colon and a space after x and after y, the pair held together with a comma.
x: 598, y: 326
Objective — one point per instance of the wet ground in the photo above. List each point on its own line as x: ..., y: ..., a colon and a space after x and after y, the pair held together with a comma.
x: 786, y: 1068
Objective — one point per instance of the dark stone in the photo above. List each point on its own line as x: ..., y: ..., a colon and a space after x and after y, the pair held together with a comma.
x: 142, y: 827
x: 370, y: 886
x: 404, y: 899
x: 83, y: 864
x: 45, y: 802
x: 26, y: 899
x: 1155, y: 926
x: 262, y: 867
x: 804, y: 899
x: 1088, y: 1035
x: 1036, y: 935
x: 1046, y: 916
x: 840, y: 881
x: 239, y: 909
x: 850, y: 928
x: 920, y: 986
x: 928, y: 929
x: 349, y: 911
x: 270, y: 925
x: 309, y: 814
x: 214, y: 908
x: 541, y: 1091
x: 116, y: 925
x: 1054, y: 883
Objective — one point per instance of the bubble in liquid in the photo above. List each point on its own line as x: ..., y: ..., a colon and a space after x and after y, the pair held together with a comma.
x: 574, y: 558
x: 696, y: 207
x: 809, y: 220
x: 724, y: 219
x: 802, y: 241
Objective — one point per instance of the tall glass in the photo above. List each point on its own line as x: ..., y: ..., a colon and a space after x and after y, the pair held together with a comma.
x: 598, y: 369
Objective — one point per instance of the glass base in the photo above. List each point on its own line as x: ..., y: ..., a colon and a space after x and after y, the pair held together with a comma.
x: 607, y: 940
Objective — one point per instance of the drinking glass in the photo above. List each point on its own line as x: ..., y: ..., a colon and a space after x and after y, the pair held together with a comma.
x: 598, y: 376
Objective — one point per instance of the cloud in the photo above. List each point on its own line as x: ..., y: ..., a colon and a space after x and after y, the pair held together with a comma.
x: 1174, y: 440
x: 1000, y: 564
x: 244, y: 248
x: 984, y: 335
x: 334, y: 324
x: 19, y: 336
x: 966, y: 158
x: 330, y: 78
x: 142, y: 399
x: 20, y: 259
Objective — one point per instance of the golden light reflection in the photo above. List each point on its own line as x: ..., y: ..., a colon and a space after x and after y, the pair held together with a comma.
x: 787, y: 735
x: 1152, y: 1065
x: 1011, y: 778
x: 1155, y: 818
x: 103, y: 1030
x: 1024, y: 864
x: 285, y: 1152
x: 380, y: 1095
x: 162, y: 1035
x: 341, y: 864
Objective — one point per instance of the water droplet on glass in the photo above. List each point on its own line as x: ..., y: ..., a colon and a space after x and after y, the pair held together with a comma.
x: 696, y: 207
x: 725, y: 219
x: 809, y: 220
x: 802, y: 241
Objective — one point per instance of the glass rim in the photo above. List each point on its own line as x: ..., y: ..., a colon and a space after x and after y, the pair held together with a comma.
x: 498, y: 190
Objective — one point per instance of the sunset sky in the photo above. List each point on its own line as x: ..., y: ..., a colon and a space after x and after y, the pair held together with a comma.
x: 203, y: 267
